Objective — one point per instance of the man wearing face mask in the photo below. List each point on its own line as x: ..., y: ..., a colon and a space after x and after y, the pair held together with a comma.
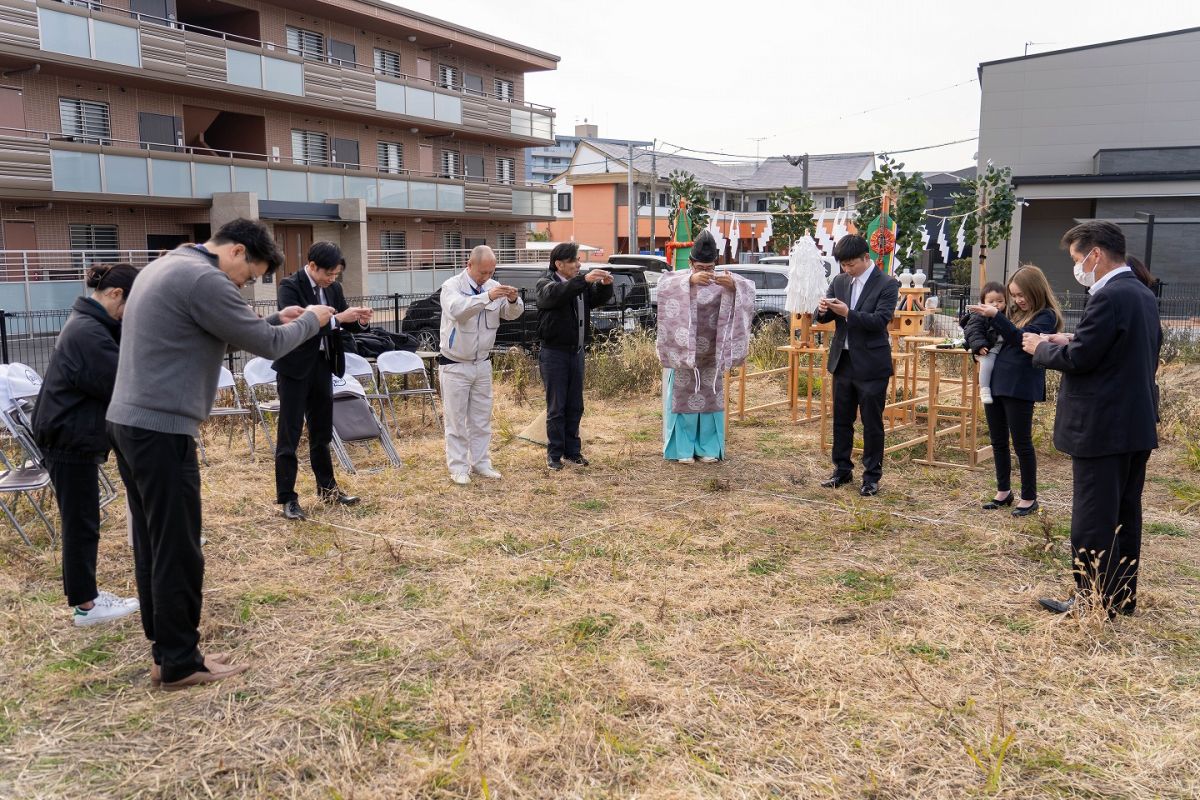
x: 1106, y: 416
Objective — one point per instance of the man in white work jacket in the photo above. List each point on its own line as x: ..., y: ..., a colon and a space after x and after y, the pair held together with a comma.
x: 472, y: 306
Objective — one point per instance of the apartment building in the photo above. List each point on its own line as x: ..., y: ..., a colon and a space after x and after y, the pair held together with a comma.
x: 130, y: 126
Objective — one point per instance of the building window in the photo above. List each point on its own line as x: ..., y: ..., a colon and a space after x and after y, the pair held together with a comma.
x: 452, y: 240
x: 473, y: 84
x: 98, y: 241
x: 393, y: 243
x: 829, y: 201
x: 450, y: 167
x: 387, y: 63
x: 643, y: 198
x: 662, y: 200
x: 503, y: 90
x: 564, y: 201
x: 716, y: 204
x: 506, y: 170
x: 390, y: 157
x: 84, y: 120
x: 310, y: 148
x: 506, y: 241
x: 447, y: 76
x: 306, y: 44
x: 839, y: 202
x: 760, y: 205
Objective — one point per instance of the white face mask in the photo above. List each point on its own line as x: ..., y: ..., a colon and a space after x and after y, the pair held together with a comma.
x: 1085, y: 279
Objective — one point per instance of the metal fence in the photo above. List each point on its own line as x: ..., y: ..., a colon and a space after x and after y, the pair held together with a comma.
x: 28, y: 337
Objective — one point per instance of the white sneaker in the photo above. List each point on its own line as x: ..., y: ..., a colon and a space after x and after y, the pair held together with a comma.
x: 985, y: 394
x: 486, y: 472
x: 686, y: 460
x: 461, y: 478
x: 129, y: 601
x: 708, y: 460
x: 106, y: 607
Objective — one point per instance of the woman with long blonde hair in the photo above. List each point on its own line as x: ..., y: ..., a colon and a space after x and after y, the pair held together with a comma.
x: 1017, y: 384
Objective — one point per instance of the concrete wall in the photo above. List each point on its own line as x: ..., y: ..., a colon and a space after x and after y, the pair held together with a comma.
x: 1049, y: 115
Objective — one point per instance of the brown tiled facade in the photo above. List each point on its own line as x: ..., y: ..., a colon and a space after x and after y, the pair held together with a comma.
x: 263, y: 135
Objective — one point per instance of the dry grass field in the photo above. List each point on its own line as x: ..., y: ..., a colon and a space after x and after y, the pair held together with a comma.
x: 634, y: 629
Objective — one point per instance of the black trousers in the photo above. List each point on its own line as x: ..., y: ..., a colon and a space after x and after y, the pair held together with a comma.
x: 162, y: 484
x: 1106, y: 526
x: 301, y: 401
x: 1009, y: 417
x: 77, y: 489
x: 562, y: 375
x: 853, y: 396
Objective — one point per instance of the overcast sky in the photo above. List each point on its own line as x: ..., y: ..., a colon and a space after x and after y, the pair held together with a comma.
x: 818, y: 77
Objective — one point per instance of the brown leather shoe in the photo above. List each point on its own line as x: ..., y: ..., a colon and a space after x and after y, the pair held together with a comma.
x: 156, y: 670
x: 216, y: 670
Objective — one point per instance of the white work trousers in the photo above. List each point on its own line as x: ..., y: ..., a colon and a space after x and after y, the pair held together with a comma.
x: 467, y: 405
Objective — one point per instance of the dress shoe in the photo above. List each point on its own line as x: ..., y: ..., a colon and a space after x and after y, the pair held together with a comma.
x: 487, y: 472
x: 1057, y: 606
x: 579, y: 459
x: 869, y: 489
x: 461, y: 478
x: 685, y: 461
x: 554, y: 463
x: 1025, y: 512
x: 212, y: 672
x: 292, y: 510
x: 217, y: 659
x: 708, y: 460
x: 993, y: 504
x: 336, y: 497
x: 837, y: 479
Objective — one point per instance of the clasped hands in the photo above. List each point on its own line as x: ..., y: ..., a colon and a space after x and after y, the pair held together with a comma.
x: 833, y: 304
x: 705, y: 277
x: 598, y: 276
x: 509, y: 293
x: 1031, y: 341
x: 359, y: 314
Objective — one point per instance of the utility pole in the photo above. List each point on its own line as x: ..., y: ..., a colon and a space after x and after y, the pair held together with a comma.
x: 653, y: 196
x: 804, y: 179
x: 981, y: 231
x: 633, y: 209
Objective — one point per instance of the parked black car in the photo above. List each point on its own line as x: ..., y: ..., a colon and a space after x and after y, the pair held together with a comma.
x: 629, y: 308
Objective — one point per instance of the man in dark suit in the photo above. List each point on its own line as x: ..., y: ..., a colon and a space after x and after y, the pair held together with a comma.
x: 1107, y: 414
x: 861, y: 302
x: 305, y: 378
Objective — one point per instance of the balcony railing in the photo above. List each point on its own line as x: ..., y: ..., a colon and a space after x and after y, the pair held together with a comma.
x: 93, y: 165
x: 405, y: 260
x: 57, y: 266
x: 186, y: 52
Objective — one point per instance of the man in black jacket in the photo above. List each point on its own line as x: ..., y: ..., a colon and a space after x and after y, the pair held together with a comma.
x: 861, y: 302
x: 565, y: 298
x: 305, y: 378
x: 1107, y: 414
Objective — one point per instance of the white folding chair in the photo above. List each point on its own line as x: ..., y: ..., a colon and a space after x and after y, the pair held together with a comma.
x: 259, y: 375
x: 403, y: 363
x: 28, y: 475
x: 227, y: 388
x: 355, y: 422
x: 23, y: 385
x: 361, y: 370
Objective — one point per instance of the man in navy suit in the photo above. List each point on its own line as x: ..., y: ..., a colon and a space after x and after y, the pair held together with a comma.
x: 305, y: 378
x: 1107, y: 414
x: 861, y: 302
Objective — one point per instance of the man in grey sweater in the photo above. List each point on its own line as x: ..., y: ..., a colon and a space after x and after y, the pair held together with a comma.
x: 176, y: 329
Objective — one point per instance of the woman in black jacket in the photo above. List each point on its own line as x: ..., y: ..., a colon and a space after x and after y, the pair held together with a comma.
x: 1017, y: 384
x: 68, y: 425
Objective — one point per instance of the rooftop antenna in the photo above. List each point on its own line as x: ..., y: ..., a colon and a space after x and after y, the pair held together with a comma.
x: 1027, y: 44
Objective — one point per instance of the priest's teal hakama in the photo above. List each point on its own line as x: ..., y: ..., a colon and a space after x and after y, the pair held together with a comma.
x: 702, y: 332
